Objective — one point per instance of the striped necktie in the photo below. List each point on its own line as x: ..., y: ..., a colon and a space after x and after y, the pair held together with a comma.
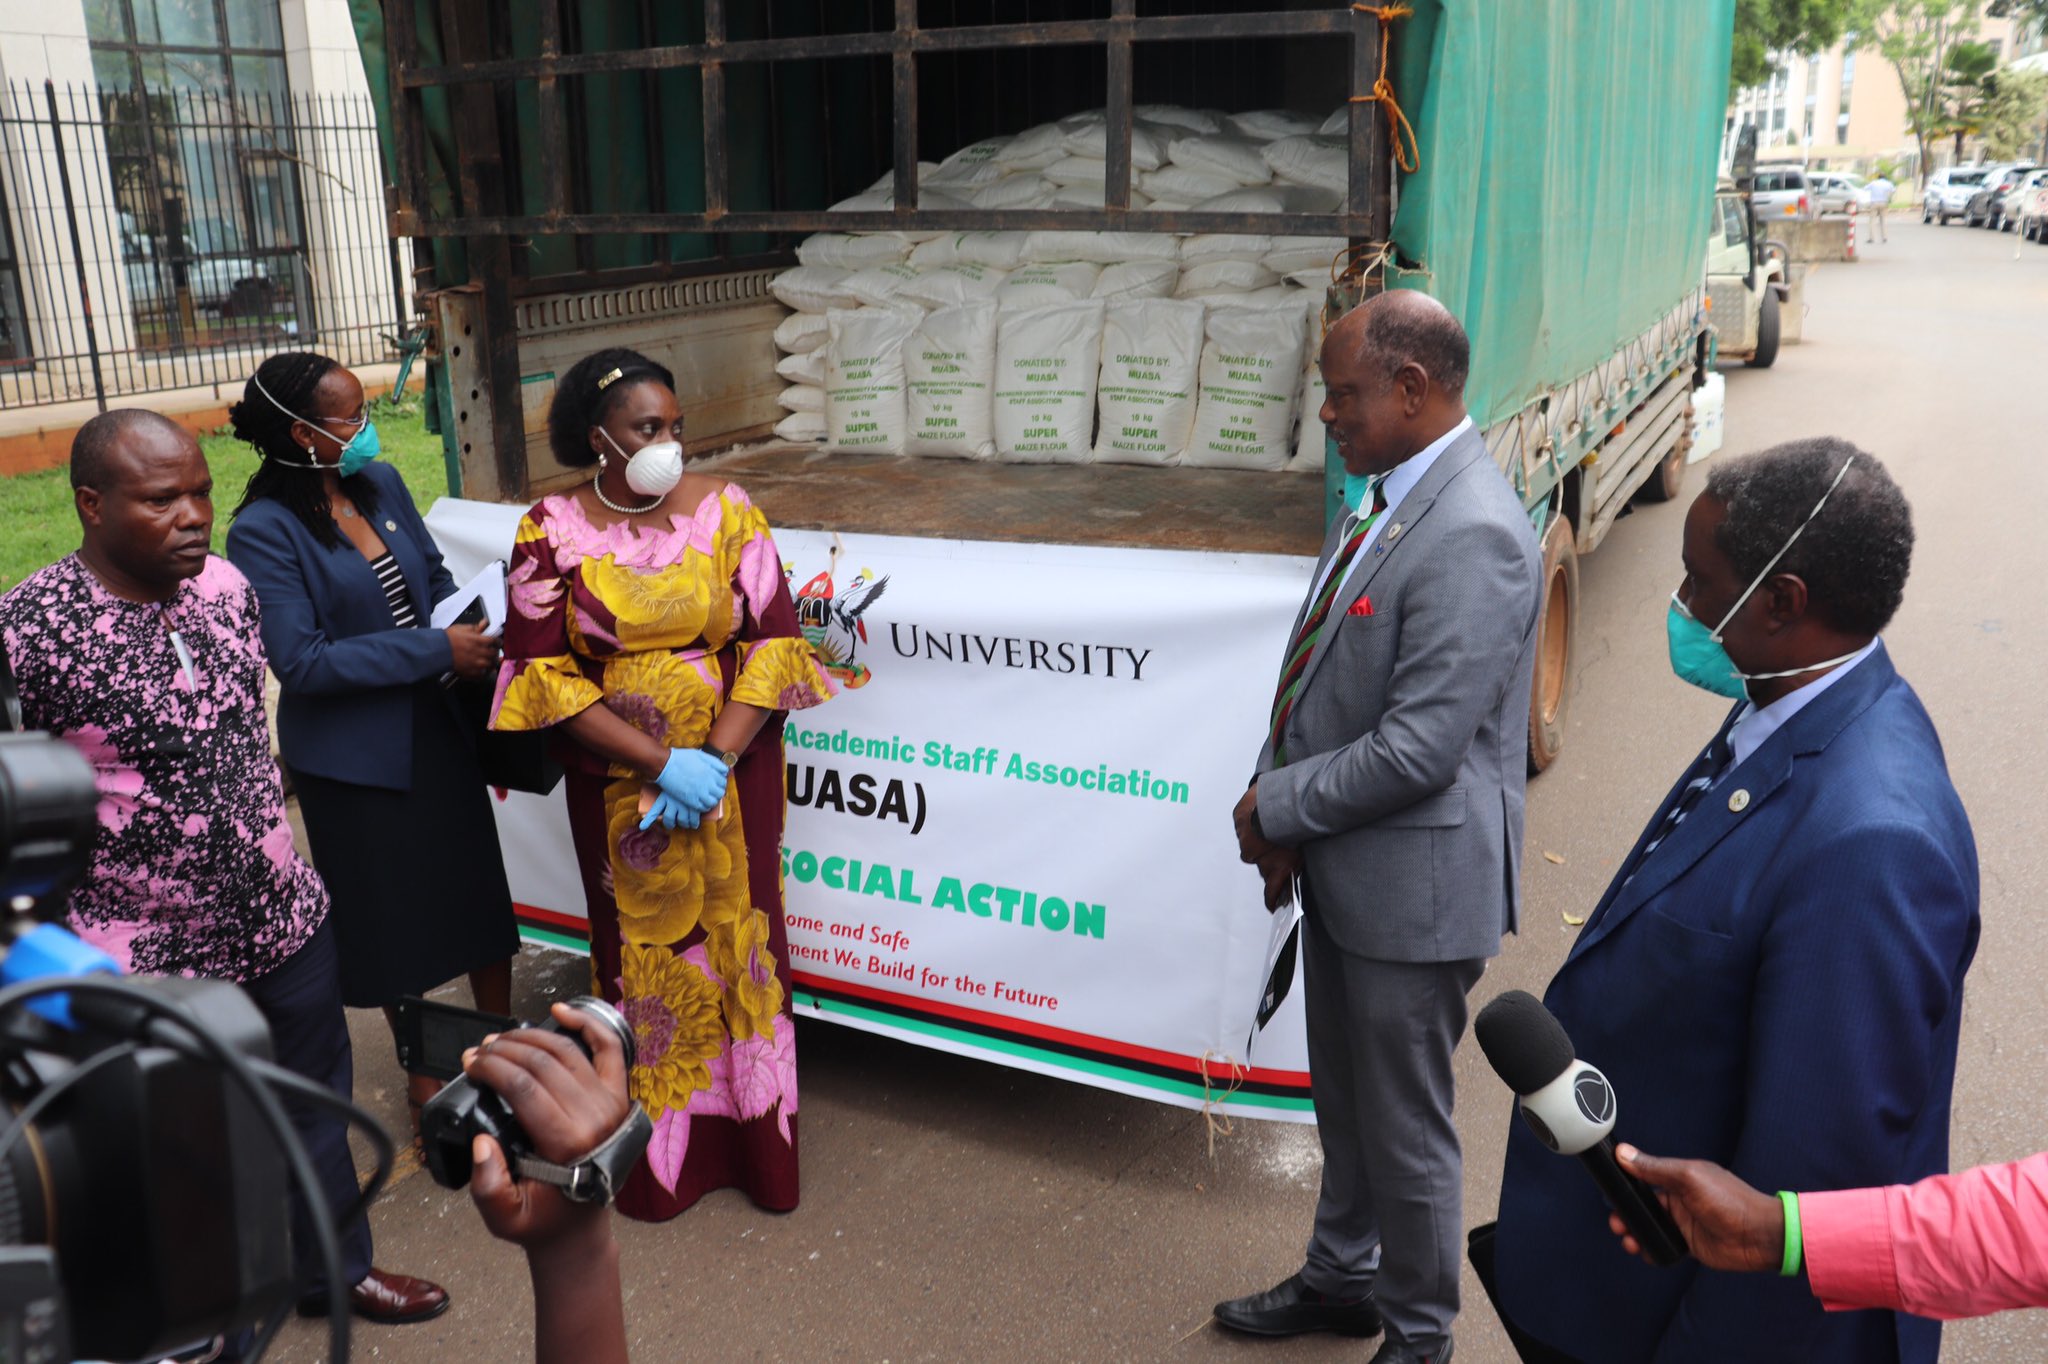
x: 1705, y: 772
x: 1304, y: 643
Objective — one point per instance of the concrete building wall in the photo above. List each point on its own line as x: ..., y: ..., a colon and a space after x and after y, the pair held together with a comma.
x: 346, y: 267
x: 1843, y: 109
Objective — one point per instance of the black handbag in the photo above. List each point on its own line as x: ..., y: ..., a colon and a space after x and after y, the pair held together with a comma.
x: 517, y: 760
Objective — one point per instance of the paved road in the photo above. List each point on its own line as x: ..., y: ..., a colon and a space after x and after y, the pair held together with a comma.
x: 956, y: 1211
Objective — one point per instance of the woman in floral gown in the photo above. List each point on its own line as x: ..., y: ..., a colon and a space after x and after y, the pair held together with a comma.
x: 650, y: 626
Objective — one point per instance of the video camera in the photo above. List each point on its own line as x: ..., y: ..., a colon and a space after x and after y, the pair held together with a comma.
x: 145, y: 1156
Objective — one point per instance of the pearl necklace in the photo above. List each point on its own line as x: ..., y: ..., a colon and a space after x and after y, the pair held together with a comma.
x: 597, y: 486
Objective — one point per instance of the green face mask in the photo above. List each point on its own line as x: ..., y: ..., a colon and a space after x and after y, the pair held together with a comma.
x: 1697, y: 655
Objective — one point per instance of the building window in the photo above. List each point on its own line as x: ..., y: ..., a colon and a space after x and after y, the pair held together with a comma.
x: 1997, y: 46
x: 1778, y: 120
x: 1842, y: 130
x: 231, y: 48
x: 200, y: 150
x: 1808, y: 136
x: 13, y: 325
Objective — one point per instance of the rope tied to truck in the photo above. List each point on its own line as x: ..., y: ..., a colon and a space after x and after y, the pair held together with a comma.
x: 1382, y: 94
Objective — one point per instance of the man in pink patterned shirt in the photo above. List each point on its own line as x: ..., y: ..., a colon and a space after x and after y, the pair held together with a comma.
x: 1951, y: 1246
x: 141, y: 650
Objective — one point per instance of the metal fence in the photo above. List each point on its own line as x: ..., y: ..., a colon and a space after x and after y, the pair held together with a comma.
x: 158, y: 240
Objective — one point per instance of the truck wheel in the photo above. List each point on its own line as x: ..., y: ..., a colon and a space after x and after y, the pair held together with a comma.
x: 1551, y: 689
x: 1766, y: 352
x: 1663, y: 485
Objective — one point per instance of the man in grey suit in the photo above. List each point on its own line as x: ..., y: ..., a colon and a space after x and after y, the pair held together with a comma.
x: 1390, y: 789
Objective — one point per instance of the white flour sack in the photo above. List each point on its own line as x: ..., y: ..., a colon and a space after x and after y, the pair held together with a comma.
x: 848, y: 251
x: 1103, y: 248
x: 801, y: 427
x: 1292, y: 254
x: 1208, y: 246
x: 998, y: 250
x: 878, y: 284
x: 1150, y: 354
x: 800, y: 333
x: 1251, y: 374
x: 1324, y: 162
x: 1310, y: 439
x: 1148, y: 147
x: 1233, y: 158
x: 1046, y: 363
x: 1185, y: 184
x: 1224, y: 277
x: 1137, y: 279
x: 952, y: 285
x: 805, y: 368
x: 1039, y: 286
x: 1265, y: 125
x: 864, y: 379
x: 813, y: 289
x: 802, y: 398
x: 969, y: 168
x: 949, y: 366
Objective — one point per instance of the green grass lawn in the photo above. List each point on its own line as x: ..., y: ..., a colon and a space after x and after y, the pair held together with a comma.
x: 38, y: 525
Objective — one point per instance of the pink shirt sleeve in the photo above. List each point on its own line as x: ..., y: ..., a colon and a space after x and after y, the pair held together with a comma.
x: 1951, y: 1246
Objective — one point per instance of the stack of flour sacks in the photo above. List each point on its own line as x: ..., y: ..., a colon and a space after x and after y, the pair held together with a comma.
x: 1076, y: 347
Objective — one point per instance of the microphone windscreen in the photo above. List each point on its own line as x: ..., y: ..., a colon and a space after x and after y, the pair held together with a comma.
x: 1523, y: 1041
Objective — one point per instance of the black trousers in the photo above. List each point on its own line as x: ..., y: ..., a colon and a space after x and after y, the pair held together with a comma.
x: 301, y: 1000
x: 1479, y: 1250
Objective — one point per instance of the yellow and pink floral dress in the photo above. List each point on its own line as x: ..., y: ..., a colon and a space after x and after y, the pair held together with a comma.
x: 665, y: 625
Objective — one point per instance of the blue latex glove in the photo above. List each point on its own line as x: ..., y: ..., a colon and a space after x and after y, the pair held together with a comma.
x: 694, y: 778
x: 671, y: 812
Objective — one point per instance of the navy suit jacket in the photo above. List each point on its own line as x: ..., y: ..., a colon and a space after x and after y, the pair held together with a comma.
x: 1778, y: 989
x: 345, y: 668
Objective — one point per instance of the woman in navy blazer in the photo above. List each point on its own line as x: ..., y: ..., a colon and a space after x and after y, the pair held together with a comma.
x: 386, y: 774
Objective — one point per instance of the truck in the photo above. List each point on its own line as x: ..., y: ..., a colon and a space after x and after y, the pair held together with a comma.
x: 616, y: 173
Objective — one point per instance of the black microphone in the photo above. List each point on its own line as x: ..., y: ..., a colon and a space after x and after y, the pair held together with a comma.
x: 1570, y: 1107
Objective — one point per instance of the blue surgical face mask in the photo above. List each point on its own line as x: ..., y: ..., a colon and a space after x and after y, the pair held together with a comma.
x: 362, y: 448
x: 357, y: 451
x: 1358, y: 492
x: 1697, y: 654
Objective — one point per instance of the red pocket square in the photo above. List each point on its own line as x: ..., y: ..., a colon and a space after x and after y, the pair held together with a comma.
x: 1361, y: 607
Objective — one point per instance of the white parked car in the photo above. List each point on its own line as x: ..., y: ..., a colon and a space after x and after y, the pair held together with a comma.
x: 1835, y: 191
x: 1948, y: 193
x: 1781, y: 192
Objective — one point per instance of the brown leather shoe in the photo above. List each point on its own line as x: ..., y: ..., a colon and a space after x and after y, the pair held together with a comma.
x: 390, y: 1299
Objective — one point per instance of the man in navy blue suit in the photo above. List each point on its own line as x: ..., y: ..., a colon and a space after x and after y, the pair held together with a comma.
x: 1774, y: 980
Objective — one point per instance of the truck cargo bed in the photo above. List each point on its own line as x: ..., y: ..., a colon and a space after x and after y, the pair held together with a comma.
x: 1069, y: 504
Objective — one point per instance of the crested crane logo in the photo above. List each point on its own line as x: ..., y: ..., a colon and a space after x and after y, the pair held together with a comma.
x: 830, y: 617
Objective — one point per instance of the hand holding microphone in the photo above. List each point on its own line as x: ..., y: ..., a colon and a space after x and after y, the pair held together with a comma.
x: 1570, y: 1107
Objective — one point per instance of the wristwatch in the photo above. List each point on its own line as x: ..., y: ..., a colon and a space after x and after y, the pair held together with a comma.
x: 596, y: 1177
x: 731, y: 760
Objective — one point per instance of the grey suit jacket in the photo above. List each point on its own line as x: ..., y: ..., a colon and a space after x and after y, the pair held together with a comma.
x: 1407, y: 747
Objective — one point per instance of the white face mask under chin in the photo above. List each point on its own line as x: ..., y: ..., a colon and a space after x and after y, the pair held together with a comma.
x: 652, y: 470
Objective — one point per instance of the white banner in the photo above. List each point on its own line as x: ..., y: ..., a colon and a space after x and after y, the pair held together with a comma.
x: 1009, y: 835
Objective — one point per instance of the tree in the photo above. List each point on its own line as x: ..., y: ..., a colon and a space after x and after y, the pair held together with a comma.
x: 1766, y: 26
x: 1915, y: 37
x: 2013, y: 105
x: 1965, y: 84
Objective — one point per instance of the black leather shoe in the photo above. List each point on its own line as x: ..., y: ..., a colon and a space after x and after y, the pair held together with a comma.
x: 1394, y: 1351
x: 1292, y: 1308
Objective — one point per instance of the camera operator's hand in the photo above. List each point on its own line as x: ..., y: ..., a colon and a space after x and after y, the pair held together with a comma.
x: 567, y: 1104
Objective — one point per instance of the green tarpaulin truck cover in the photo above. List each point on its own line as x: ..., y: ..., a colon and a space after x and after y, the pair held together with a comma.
x: 1567, y: 159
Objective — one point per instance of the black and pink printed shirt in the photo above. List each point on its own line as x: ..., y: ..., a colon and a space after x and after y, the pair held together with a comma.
x: 193, y: 871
